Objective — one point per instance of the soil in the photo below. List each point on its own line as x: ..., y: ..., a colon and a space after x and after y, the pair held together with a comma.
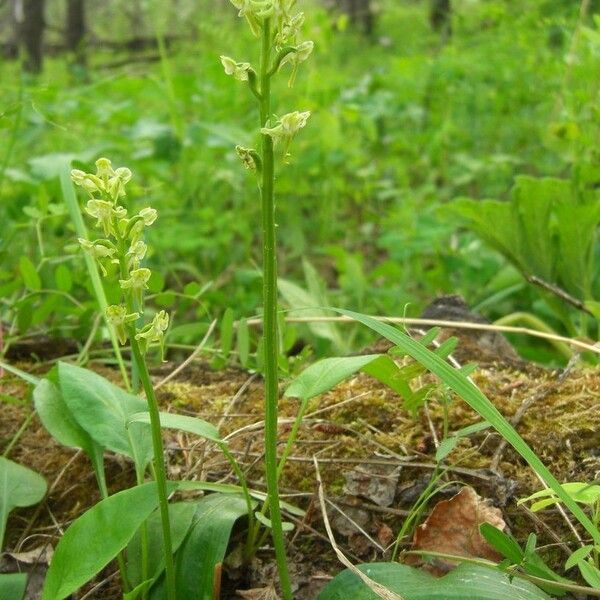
x: 375, y: 459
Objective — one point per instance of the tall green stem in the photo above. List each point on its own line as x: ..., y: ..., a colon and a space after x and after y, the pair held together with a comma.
x: 270, y: 314
x: 160, y: 472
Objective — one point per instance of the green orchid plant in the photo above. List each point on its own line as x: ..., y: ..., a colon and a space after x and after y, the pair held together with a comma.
x: 122, y: 245
x: 279, y: 29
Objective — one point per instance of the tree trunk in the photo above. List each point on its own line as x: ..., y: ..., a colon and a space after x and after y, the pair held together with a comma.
x: 30, y: 18
x: 440, y: 17
x: 361, y: 14
x: 76, y: 30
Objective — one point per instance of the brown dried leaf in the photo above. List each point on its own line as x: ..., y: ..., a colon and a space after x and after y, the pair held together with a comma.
x: 385, y: 535
x: 453, y: 528
x: 266, y: 593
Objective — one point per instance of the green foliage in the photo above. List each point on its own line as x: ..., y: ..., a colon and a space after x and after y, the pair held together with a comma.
x: 466, y: 582
x: 547, y: 230
x: 20, y: 487
x: 526, y: 560
x: 13, y: 585
x: 96, y: 537
x: 402, y: 127
x: 204, y: 546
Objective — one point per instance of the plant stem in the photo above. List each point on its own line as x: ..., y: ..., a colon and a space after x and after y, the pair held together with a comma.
x: 270, y: 314
x: 159, y: 465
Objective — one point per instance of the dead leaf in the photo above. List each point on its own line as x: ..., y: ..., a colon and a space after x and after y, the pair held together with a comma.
x: 375, y: 482
x: 385, y: 535
x: 266, y: 593
x: 453, y: 528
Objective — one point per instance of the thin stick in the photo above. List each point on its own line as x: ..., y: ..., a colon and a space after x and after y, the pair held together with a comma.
x: 453, y: 324
x: 190, y: 358
x: 375, y: 587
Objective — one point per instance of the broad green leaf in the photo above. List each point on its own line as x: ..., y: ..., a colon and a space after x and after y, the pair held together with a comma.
x: 590, y: 573
x: 183, y: 423
x: 502, y: 542
x: 385, y: 369
x: 31, y: 278
x: 473, y: 396
x: 58, y: 420
x: 577, y: 556
x: 96, y: 537
x: 103, y: 410
x: 325, y: 374
x: 466, y: 582
x: 204, y: 547
x: 180, y: 517
x: 226, y: 332
x: 19, y: 487
x: 63, y: 278
x: 12, y: 586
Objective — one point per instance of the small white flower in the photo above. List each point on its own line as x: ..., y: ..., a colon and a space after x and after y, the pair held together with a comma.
x: 247, y: 156
x: 287, y: 126
x: 90, y: 183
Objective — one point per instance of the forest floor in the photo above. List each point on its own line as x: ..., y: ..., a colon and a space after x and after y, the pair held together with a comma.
x: 375, y: 459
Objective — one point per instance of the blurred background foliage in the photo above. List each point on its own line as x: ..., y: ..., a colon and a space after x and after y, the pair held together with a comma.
x: 414, y: 103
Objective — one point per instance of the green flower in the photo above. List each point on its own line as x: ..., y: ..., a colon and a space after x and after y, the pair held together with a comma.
x: 98, y: 250
x: 290, y: 29
x: 104, y: 169
x: 136, y: 254
x: 136, y: 283
x: 116, y: 183
x: 286, y: 128
x: 90, y: 183
x: 117, y: 317
x: 149, y: 215
x: 154, y: 332
x: 302, y: 52
x: 238, y: 70
x: 103, y: 211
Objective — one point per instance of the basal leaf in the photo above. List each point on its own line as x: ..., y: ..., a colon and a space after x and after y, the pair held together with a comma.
x: 96, y: 537
x: 13, y: 585
x: 103, y: 410
x: 466, y: 582
x: 19, y: 487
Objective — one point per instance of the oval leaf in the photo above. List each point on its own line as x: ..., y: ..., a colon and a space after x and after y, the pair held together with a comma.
x: 96, y: 537
x: 466, y: 582
x: 19, y: 486
x: 103, y: 410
